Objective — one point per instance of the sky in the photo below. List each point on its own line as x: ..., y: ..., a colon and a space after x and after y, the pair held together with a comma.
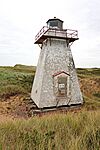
x: 21, y: 20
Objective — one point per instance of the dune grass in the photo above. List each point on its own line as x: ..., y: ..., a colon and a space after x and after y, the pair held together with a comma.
x: 16, y: 80
x: 71, y: 131
x: 88, y: 72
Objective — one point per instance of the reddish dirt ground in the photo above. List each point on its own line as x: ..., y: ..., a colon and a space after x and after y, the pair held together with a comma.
x: 13, y: 107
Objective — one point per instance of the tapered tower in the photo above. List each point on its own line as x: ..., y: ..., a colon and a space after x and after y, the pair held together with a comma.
x: 56, y: 83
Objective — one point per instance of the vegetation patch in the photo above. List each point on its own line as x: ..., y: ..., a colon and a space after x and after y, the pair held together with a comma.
x: 87, y: 72
x: 71, y: 131
x: 15, y: 80
x: 97, y: 95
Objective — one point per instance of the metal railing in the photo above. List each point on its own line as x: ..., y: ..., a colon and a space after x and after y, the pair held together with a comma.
x: 41, y: 32
x: 69, y: 33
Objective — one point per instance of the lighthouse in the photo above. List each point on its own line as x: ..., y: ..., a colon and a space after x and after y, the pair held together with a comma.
x: 56, y: 83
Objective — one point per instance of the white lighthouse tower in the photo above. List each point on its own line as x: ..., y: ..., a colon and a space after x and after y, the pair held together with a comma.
x: 56, y: 83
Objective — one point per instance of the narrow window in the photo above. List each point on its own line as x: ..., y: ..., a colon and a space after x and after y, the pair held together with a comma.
x: 62, y: 86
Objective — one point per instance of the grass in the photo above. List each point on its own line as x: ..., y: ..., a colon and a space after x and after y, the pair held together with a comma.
x: 89, y: 79
x: 88, y: 72
x: 15, y: 80
x: 71, y: 131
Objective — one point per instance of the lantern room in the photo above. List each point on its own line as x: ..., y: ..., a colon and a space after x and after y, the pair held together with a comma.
x: 54, y: 29
x: 55, y: 23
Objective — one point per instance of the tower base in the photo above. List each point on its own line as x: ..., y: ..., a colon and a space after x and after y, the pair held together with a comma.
x: 38, y: 111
